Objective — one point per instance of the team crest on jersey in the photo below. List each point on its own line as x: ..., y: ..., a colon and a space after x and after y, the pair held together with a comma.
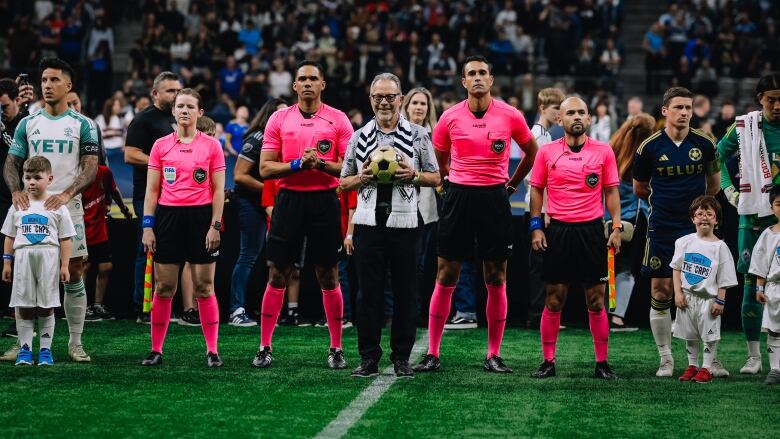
x: 696, y: 267
x: 592, y: 180
x: 68, y: 132
x: 655, y: 262
x: 324, y: 146
x: 35, y: 228
x: 169, y: 174
x: 247, y: 147
x: 745, y: 256
x: 199, y: 175
x: 498, y: 146
x: 695, y: 154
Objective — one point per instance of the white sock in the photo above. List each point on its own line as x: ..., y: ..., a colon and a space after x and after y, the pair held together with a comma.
x: 292, y: 307
x: 773, y: 349
x: 692, y: 347
x: 25, y: 328
x: 46, y: 328
x: 754, y: 349
x: 661, y: 325
x: 710, y: 352
x: 75, y: 306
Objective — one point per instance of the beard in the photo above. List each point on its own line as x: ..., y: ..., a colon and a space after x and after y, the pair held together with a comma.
x: 576, y: 130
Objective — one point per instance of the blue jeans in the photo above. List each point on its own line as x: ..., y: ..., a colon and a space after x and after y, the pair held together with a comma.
x: 346, y: 293
x: 252, y: 230
x: 465, y: 298
x: 140, y: 259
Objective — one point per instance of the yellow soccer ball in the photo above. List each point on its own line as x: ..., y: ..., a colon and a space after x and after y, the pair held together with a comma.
x: 384, y: 162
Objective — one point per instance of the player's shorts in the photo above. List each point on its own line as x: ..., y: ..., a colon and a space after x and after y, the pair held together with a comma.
x: 181, y: 235
x: 771, y: 318
x: 80, y: 239
x: 475, y: 214
x: 36, y: 277
x: 659, y: 250
x: 576, y: 252
x: 696, y: 322
x: 750, y: 229
x: 309, y: 220
x: 100, y: 252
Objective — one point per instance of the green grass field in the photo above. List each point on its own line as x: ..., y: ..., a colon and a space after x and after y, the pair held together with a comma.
x: 298, y: 396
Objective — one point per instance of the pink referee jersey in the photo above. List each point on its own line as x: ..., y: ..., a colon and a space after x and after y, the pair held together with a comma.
x: 328, y: 132
x: 479, y: 148
x: 186, y: 168
x: 575, y: 182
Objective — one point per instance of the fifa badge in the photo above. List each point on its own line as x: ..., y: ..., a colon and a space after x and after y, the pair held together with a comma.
x: 169, y: 174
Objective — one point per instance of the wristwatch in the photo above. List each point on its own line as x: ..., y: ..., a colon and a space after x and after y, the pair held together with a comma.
x: 321, y: 165
x: 217, y: 226
x: 618, y: 226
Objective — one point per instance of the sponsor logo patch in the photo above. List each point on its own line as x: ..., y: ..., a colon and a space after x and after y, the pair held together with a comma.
x: 498, y: 146
x: 169, y: 174
x: 324, y: 146
x: 592, y: 180
x: 199, y: 175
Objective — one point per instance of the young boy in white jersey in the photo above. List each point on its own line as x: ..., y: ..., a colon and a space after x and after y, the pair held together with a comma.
x: 765, y: 265
x: 703, y: 270
x: 36, y: 254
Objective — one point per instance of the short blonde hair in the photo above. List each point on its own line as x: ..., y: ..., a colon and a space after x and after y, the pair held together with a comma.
x: 549, y: 96
x: 37, y: 164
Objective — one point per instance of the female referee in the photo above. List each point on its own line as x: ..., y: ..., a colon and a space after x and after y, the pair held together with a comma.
x: 185, y: 194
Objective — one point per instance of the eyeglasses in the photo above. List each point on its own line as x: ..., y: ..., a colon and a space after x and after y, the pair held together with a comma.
x: 389, y: 98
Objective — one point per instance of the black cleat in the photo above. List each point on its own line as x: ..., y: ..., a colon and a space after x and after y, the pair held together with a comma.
x: 336, y: 359
x: 367, y: 368
x: 429, y: 363
x: 546, y: 370
x: 263, y: 358
x: 213, y: 360
x: 604, y: 372
x: 496, y: 364
x: 153, y: 359
x: 402, y: 369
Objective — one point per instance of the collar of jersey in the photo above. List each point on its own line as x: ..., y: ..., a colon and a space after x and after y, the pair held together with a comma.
x: 50, y: 117
x: 177, y: 140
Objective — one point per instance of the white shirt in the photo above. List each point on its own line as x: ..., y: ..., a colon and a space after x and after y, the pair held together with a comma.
x: 765, y: 261
x: 706, y: 266
x: 38, y: 226
x: 542, y: 137
x: 115, y: 124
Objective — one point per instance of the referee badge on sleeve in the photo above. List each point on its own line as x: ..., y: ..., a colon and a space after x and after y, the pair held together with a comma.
x: 199, y: 175
x: 592, y: 180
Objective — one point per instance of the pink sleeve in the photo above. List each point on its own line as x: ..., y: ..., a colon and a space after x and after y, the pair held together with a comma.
x: 345, y: 133
x: 611, y: 175
x: 441, y: 135
x: 272, y: 140
x: 154, y: 157
x: 217, y: 161
x: 520, y: 131
x: 539, y: 171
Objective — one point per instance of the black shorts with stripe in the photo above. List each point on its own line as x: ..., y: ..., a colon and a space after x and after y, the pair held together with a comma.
x: 99, y: 253
x: 475, y: 215
x: 576, y: 252
x: 181, y: 235
x: 308, y: 220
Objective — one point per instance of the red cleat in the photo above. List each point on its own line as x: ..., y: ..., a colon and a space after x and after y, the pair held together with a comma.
x: 689, y: 373
x: 703, y: 377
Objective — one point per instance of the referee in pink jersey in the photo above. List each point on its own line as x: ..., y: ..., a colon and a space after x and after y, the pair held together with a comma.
x: 303, y: 147
x: 185, y: 194
x: 578, y: 172
x: 472, y: 142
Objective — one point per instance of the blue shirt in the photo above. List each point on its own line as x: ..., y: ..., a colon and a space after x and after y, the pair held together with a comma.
x: 230, y: 80
x: 236, y: 132
x: 677, y: 175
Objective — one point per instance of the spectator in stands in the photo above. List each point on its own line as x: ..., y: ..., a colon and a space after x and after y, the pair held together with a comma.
x: 100, y: 33
x: 180, y: 51
x: 230, y: 79
x: 726, y: 117
x: 112, y: 128
x: 442, y: 70
x: 602, y: 125
x: 701, y: 112
x: 236, y: 131
x: 653, y: 45
x: 279, y: 80
x: 705, y: 80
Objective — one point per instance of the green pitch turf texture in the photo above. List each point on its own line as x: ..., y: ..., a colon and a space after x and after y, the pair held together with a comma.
x: 298, y: 396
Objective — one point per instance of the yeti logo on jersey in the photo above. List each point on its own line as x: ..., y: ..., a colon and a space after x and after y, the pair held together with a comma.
x: 592, y: 180
x: 169, y: 174
x: 696, y: 267
x: 324, y: 146
x: 35, y: 227
x: 498, y: 146
x: 694, y: 154
x: 199, y: 175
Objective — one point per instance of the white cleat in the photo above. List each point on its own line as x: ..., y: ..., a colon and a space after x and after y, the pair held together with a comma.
x: 11, y: 353
x: 666, y: 369
x: 77, y: 354
x: 752, y: 366
x: 717, y: 370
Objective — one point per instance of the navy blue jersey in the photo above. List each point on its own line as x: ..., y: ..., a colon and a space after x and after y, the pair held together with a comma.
x: 677, y: 175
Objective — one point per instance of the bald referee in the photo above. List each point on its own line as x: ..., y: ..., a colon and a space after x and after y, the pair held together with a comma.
x: 576, y: 171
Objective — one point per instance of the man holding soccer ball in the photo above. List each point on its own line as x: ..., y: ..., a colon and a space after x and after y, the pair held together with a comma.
x: 387, y: 161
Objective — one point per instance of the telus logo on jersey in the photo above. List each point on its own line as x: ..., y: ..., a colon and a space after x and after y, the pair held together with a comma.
x: 696, y: 267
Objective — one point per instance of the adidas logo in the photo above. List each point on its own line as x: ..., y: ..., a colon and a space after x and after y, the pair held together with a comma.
x: 46, y: 335
x: 36, y: 132
x: 710, y: 332
x: 769, y: 350
x: 81, y: 247
x: 663, y: 158
x: 707, y: 350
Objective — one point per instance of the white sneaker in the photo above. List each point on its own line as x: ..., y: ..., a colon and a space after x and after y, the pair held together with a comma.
x: 11, y: 353
x: 239, y: 318
x: 752, y: 366
x: 666, y: 369
x: 717, y: 370
x: 77, y: 354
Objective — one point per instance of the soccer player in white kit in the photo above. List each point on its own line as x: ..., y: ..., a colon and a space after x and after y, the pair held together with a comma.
x: 765, y: 265
x: 703, y: 270
x: 35, y: 256
x: 70, y: 141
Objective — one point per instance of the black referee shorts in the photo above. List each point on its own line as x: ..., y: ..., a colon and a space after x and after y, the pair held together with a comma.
x: 480, y: 214
x: 312, y: 217
x: 181, y: 235
x: 576, y: 252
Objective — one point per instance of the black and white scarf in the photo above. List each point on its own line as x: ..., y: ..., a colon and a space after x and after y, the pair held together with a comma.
x: 404, y: 200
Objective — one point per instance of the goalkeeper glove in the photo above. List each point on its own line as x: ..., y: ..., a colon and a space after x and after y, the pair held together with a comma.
x: 732, y: 195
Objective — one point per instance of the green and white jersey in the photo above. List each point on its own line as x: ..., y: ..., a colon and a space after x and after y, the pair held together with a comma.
x: 62, y: 139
